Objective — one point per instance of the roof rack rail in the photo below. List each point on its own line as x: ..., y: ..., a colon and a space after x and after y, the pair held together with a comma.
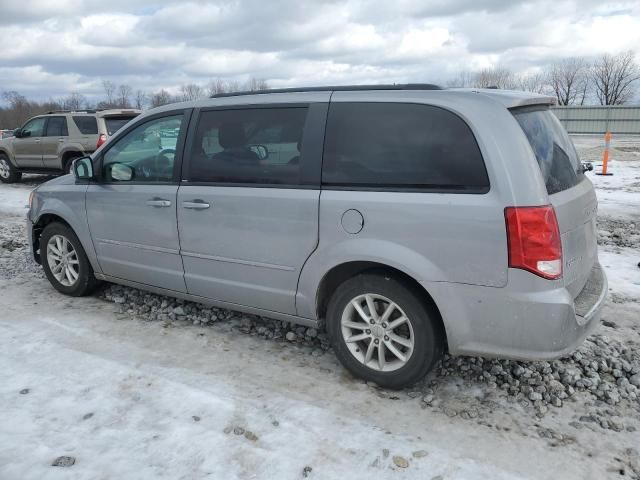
x: 336, y: 88
x: 71, y: 111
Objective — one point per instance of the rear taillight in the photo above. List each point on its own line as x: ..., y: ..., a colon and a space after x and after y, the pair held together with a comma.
x: 534, y: 240
x: 101, y: 139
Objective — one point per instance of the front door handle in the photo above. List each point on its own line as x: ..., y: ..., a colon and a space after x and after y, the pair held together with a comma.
x: 158, y: 202
x: 196, y: 205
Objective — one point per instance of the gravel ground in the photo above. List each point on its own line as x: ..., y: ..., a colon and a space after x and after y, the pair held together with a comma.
x: 15, y: 257
x: 618, y: 233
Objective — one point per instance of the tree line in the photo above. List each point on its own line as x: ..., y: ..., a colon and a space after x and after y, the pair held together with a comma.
x: 19, y: 108
x: 606, y: 80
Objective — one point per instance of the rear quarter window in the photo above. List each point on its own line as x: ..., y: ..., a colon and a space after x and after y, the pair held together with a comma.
x: 86, y: 124
x: 556, y: 155
x: 401, y: 146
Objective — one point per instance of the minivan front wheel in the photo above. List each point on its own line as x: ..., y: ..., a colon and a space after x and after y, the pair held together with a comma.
x: 65, y: 262
x: 382, y: 332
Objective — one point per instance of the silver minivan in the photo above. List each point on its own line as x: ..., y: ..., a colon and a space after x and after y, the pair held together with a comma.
x: 407, y: 220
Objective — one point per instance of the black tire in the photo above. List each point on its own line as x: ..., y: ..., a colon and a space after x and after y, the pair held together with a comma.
x: 86, y: 281
x: 13, y: 174
x: 68, y: 162
x: 428, y: 337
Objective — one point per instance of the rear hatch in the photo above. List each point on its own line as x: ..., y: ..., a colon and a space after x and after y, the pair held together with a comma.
x: 114, y: 120
x: 570, y: 192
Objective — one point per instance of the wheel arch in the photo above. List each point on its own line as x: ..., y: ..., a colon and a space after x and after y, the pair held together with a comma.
x: 339, y: 273
x: 68, y: 155
x: 38, y: 227
x: 4, y: 151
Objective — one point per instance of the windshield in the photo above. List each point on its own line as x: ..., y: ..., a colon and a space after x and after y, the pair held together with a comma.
x: 554, y: 150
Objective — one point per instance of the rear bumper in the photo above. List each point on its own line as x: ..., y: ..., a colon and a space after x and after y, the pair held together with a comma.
x: 523, y: 322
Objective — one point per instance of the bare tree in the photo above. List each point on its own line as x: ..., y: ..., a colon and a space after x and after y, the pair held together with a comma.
x: 161, y: 97
x: 123, y: 97
x: 140, y: 99
x: 234, y: 86
x: 532, y: 82
x: 256, y: 84
x: 569, y: 80
x: 20, y: 109
x: 109, y: 91
x: 494, y: 78
x: 614, y: 78
x: 464, y: 79
x: 74, y: 101
x: 191, y: 91
x: 216, y: 86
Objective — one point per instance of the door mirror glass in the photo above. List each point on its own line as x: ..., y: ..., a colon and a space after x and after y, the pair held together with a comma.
x: 24, y: 134
x: 119, y: 172
x: 82, y: 168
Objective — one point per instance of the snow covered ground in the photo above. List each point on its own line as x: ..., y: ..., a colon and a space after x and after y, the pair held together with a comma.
x: 131, y: 398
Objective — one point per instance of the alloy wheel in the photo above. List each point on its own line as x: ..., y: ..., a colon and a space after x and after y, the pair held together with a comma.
x: 377, y: 332
x: 5, y: 170
x: 63, y: 260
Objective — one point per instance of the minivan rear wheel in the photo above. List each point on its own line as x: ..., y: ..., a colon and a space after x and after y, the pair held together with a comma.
x: 382, y: 331
x: 65, y: 262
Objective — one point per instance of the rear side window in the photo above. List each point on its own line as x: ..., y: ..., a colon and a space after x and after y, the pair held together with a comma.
x: 554, y: 150
x: 114, y: 124
x: 401, y: 146
x: 252, y: 146
x: 56, y: 127
x: 86, y: 124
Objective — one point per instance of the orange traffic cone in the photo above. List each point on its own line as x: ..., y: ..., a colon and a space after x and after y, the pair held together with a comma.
x: 605, y: 155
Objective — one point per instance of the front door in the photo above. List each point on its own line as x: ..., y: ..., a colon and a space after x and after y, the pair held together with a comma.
x: 55, y: 135
x: 132, y: 210
x: 248, y: 208
x: 27, y: 148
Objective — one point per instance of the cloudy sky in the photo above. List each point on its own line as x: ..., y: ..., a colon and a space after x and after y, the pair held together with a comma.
x: 51, y: 47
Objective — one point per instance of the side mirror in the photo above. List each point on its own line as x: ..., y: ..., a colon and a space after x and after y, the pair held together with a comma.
x: 120, y: 172
x: 17, y: 133
x: 82, y: 168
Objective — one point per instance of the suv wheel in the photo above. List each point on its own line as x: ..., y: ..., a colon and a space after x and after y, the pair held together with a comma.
x: 382, y: 332
x: 69, y: 162
x: 65, y: 262
x: 8, y: 173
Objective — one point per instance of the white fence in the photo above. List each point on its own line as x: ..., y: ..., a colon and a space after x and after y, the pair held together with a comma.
x: 601, y: 119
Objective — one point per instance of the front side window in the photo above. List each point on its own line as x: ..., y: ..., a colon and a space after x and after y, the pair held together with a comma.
x: 57, y: 127
x: 255, y: 146
x: 401, y: 146
x: 34, y: 128
x: 144, y: 154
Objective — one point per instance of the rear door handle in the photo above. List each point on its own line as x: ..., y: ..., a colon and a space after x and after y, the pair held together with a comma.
x: 196, y: 205
x: 159, y: 202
